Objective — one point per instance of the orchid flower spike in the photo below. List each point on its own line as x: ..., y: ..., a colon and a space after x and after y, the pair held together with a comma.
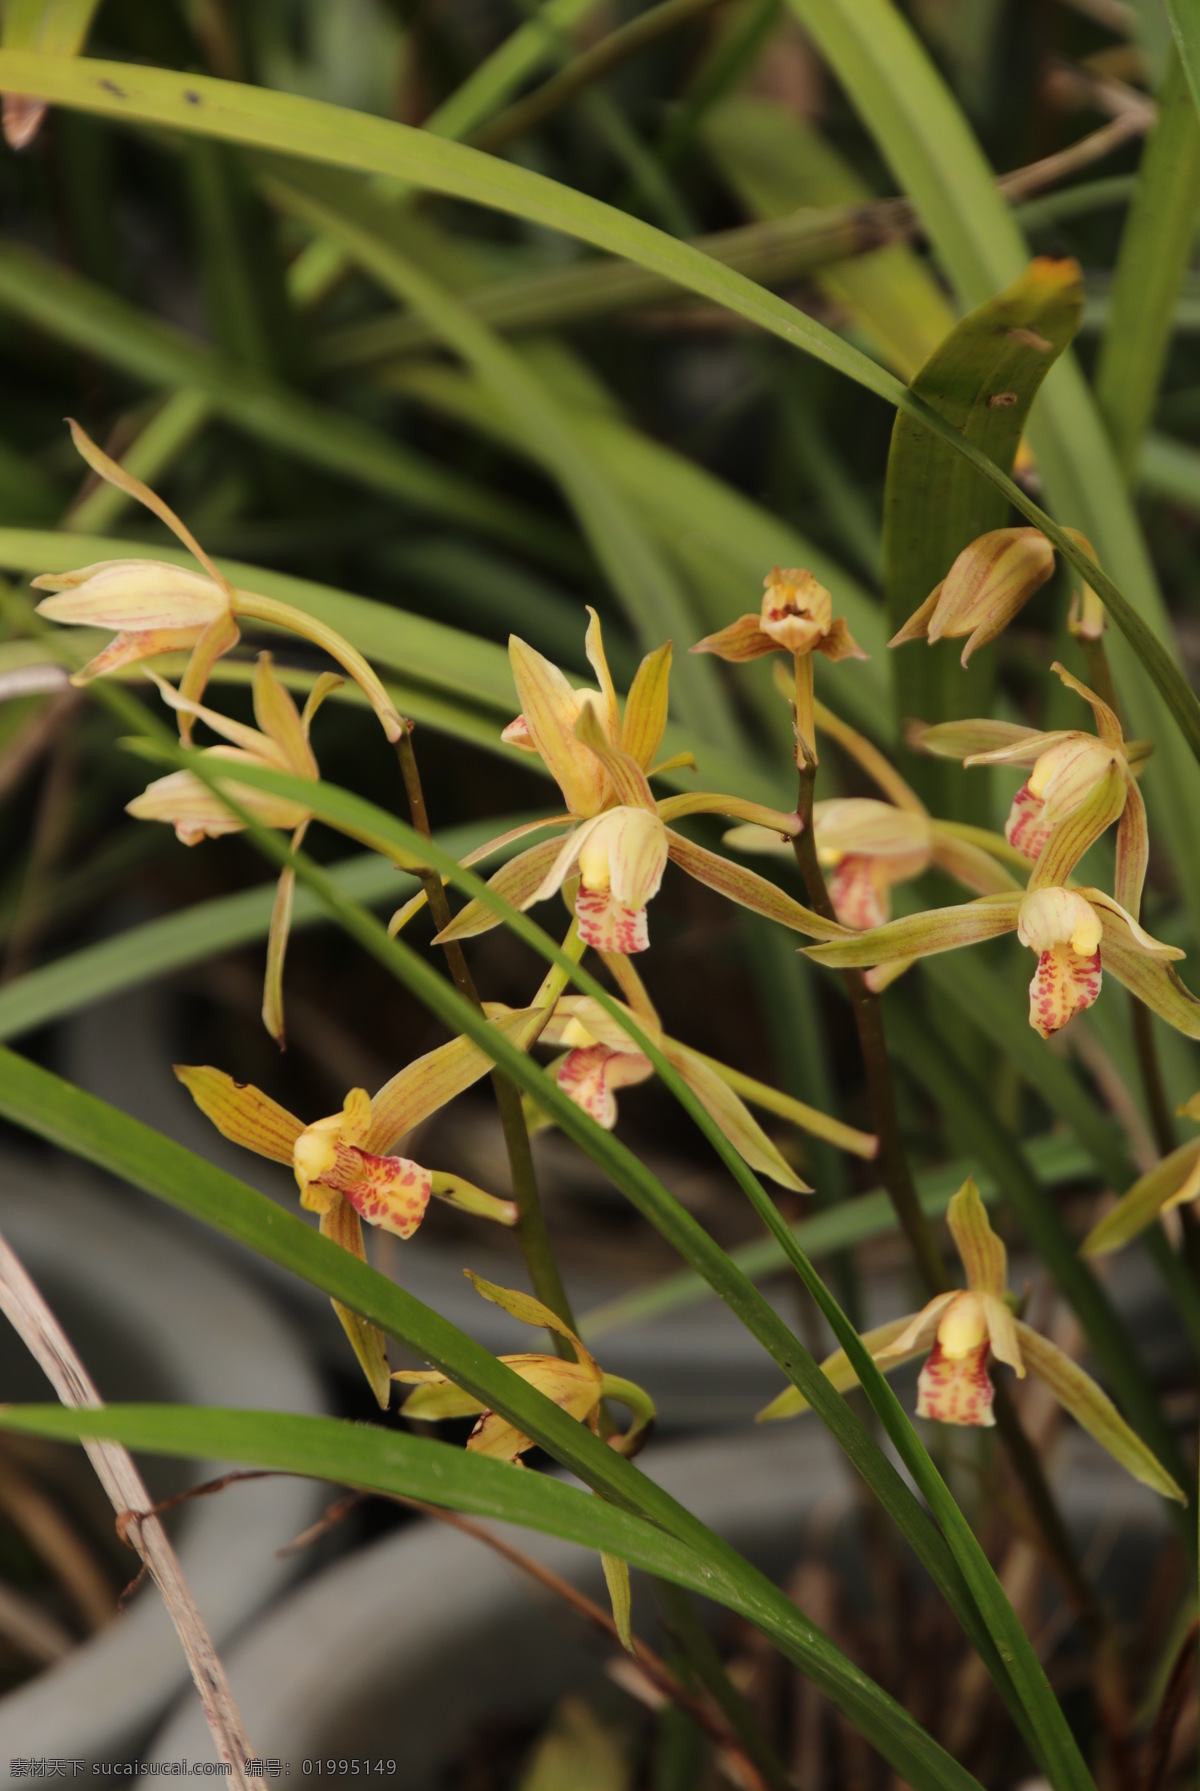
x: 1077, y: 934
x: 619, y: 839
x: 962, y: 1332
x: 196, y: 811
x: 343, y: 1166
x: 156, y: 607
x: 989, y: 583
x: 1068, y: 769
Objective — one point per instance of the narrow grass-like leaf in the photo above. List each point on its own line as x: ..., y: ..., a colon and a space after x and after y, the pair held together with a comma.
x: 655, y: 606
x: 1153, y: 257
x: 91, y: 318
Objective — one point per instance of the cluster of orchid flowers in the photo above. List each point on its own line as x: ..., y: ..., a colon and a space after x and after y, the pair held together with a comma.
x: 609, y: 849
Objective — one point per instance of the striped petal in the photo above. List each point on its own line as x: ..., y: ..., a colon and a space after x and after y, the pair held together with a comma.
x: 1170, y: 1183
x: 551, y: 708
x: 646, y: 708
x: 921, y: 935
x: 241, y: 1112
x: 748, y: 889
x: 1094, y: 1412
x: 981, y: 1251
x: 342, y: 1225
x: 741, y: 640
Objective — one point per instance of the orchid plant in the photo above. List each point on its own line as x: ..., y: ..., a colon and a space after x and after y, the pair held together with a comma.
x: 604, y: 851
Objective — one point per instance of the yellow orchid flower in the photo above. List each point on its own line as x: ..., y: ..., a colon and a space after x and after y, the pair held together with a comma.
x: 343, y: 1164
x: 1175, y: 1181
x: 196, y: 811
x: 1067, y: 767
x: 1076, y: 933
x: 601, y: 1058
x: 796, y: 617
x: 620, y: 839
x: 866, y: 847
x: 579, y: 1387
x: 963, y: 1331
x: 989, y: 583
x: 155, y: 607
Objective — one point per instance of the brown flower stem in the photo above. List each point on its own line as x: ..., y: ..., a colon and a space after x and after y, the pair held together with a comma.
x: 531, y: 1233
x: 868, y: 1019
x: 897, y: 1179
x: 1158, y: 1749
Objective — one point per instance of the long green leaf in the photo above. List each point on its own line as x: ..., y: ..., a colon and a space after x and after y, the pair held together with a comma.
x: 90, y: 317
x: 1153, y: 257
x: 655, y: 607
x: 1185, y: 23
x: 313, y: 130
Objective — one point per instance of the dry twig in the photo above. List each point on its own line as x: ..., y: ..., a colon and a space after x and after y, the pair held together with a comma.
x: 46, y: 1341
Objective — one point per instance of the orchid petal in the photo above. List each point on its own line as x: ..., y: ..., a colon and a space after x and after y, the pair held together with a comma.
x: 519, y: 882
x: 1108, y: 725
x: 839, y: 643
x: 435, y: 1397
x: 1079, y: 830
x: 970, y: 864
x: 917, y: 626
x: 1094, y: 1412
x: 551, y: 708
x: 957, y: 1389
x: 626, y: 777
x: 608, y: 925
x: 734, y: 808
x: 591, y: 1075
x: 865, y: 827
x: 748, y: 889
x: 324, y: 687
x: 279, y: 718
x: 277, y: 943
x: 739, y: 641
x: 1133, y: 850
x: 735, y: 1119
x: 972, y: 740
x: 429, y: 1083
x: 981, y: 1251
x: 1170, y: 1183
x: 132, y: 597
x: 342, y: 1225
x: 241, y: 1112
x: 246, y: 739
x: 646, y: 707
x: 921, y: 935
x: 838, y: 1372
x: 920, y: 1331
x: 131, y: 649
x: 115, y: 474
x: 198, y: 812
x: 635, y: 842
x: 529, y: 1311
x: 593, y: 646
x: 1002, y: 1330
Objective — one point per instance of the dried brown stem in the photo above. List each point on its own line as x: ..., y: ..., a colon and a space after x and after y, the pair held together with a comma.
x: 46, y: 1341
